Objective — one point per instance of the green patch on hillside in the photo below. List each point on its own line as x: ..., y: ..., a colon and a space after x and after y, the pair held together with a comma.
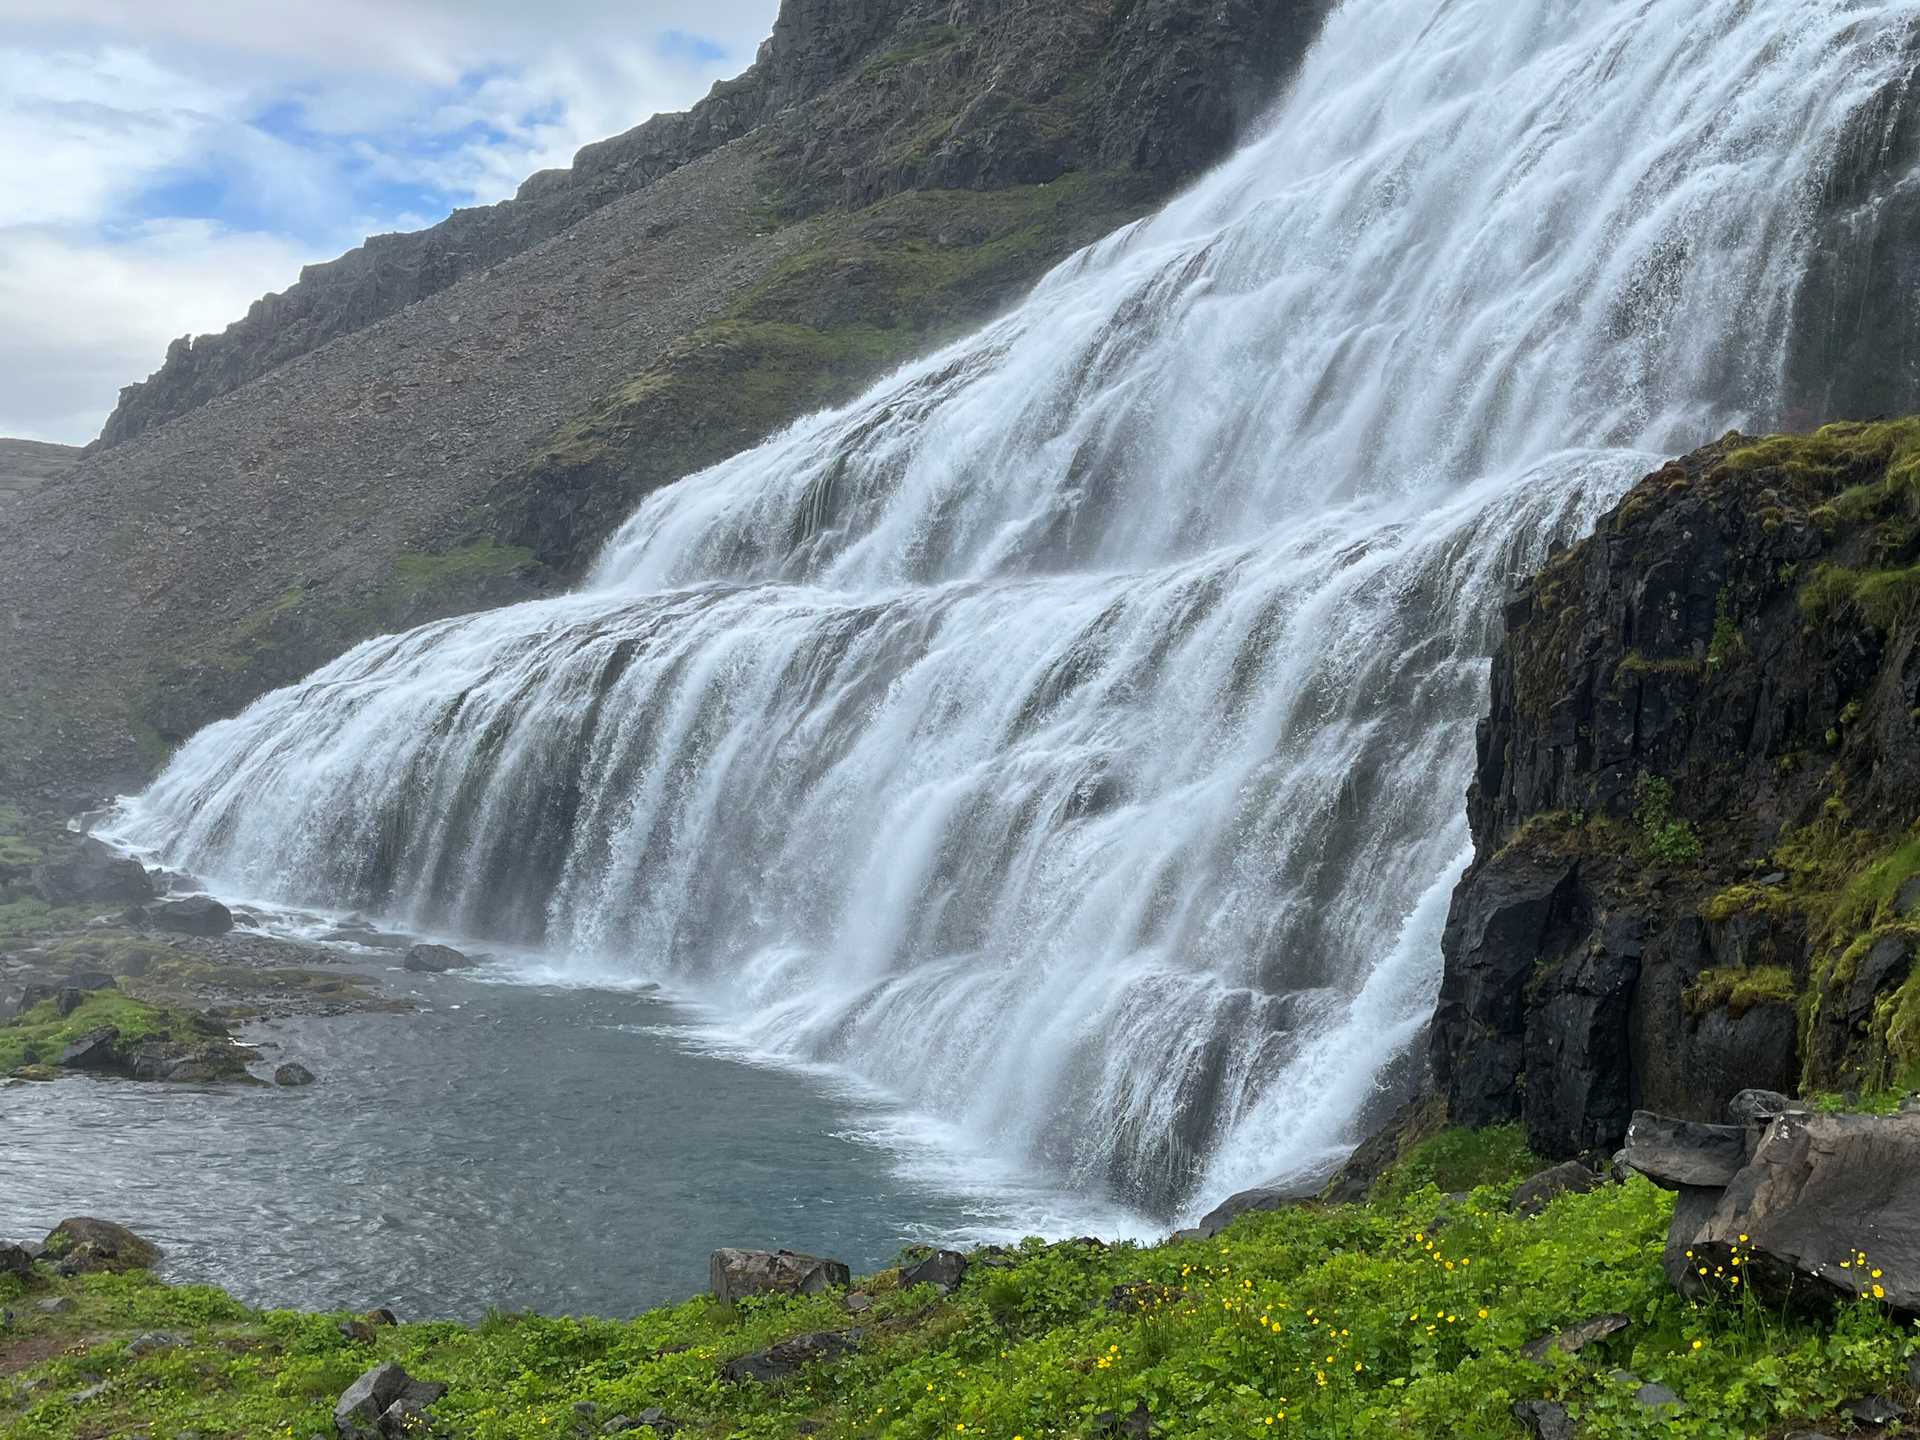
x: 1331, y: 1321
x: 417, y: 573
x: 38, y: 1036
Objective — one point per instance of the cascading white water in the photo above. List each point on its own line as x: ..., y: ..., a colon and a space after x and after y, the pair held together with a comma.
x: 1070, y: 735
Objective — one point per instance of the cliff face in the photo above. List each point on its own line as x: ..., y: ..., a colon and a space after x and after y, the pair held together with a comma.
x: 970, y: 95
x: 1696, y: 798
x: 445, y: 421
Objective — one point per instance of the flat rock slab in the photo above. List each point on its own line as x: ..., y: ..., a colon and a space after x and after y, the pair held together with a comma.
x: 1676, y: 1153
x: 736, y: 1274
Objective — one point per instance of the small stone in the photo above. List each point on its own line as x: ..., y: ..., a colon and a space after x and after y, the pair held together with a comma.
x: 1777, y: 877
x: 944, y: 1268
x: 14, y: 1260
x: 1537, y: 1192
x: 1654, y: 1396
x: 1876, y: 1410
x: 1575, y: 1338
x: 358, y: 1331
x: 293, y: 1074
x: 435, y: 960
x: 858, y: 1304
x: 1544, y: 1419
x: 153, y: 1341
x: 58, y: 1305
x: 1755, y: 1107
x: 86, y: 1396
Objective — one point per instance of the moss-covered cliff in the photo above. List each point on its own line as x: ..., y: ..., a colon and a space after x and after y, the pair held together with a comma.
x: 1696, y: 808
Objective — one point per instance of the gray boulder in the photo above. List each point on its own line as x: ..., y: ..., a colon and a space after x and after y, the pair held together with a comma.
x: 200, y: 915
x: 383, y: 1404
x: 777, y: 1363
x: 95, y: 1050
x: 1575, y: 1338
x: 1247, y: 1202
x: 92, y: 874
x: 82, y: 1245
x: 15, y: 1260
x: 1536, y: 1192
x: 1676, y: 1153
x: 292, y: 1074
x: 945, y: 1268
x: 436, y: 960
x: 1877, y: 1410
x: 736, y: 1274
x: 1821, y: 1191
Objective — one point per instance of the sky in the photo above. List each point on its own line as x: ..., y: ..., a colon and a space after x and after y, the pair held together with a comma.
x: 163, y: 163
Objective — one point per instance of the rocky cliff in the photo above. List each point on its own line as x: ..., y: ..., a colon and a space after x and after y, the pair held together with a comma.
x: 1697, y: 867
x: 455, y: 419
x: 995, y: 93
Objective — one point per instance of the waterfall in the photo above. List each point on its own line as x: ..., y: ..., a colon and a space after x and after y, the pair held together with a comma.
x: 1070, y: 735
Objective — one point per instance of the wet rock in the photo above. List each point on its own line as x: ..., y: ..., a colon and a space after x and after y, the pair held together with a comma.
x: 367, y: 937
x: 1876, y: 1410
x: 200, y: 915
x: 292, y: 1074
x: 1754, y: 1107
x: 1576, y: 1338
x: 179, y: 1063
x: 15, y: 1260
x: 83, y: 1246
x: 1673, y: 1153
x: 93, y: 874
x: 436, y: 960
x: 1819, y: 1190
x: 736, y: 1274
x: 95, y: 1050
x: 944, y: 1268
x: 779, y: 1361
x: 1537, y: 1192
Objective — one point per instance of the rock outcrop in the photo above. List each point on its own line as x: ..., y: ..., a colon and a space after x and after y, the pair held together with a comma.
x: 454, y: 420
x: 1693, y: 807
x: 83, y: 1245
x: 736, y: 1274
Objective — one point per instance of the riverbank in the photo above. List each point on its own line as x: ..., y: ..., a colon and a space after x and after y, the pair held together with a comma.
x: 1410, y: 1313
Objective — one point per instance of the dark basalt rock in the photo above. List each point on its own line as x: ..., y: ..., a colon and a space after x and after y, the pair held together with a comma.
x: 1245, y: 1203
x: 945, y: 1268
x: 292, y: 1074
x: 1544, y: 1419
x: 1539, y: 1191
x: 736, y: 1274
x: 92, y: 874
x: 83, y: 1245
x: 15, y: 1260
x: 95, y: 1050
x: 1756, y: 1107
x: 200, y: 915
x: 780, y: 1361
x: 436, y: 960
x: 384, y: 1404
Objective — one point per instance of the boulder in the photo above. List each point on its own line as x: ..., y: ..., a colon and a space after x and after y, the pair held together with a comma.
x: 1673, y: 1153
x: 436, y: 960
x: 92, y: 874
x: 82, y: 1245
x: 1244, y: 1203
x: 15, y: 1260
x: 736, y: 1274
x: 196, y: 915
x: 1876, y: 1410
x: 778, y: 1362
x: 1820, y: 1192
x: 945, y: 1268
x: 292, y: 1073
x: 57, y: 1305
x: 653, y: 1418
x: 385, y: 1402
x: 153, y: 1341
x: 95, y: 1050
x: 182, y: 1063
x: 1576, y: 1338
x: 1136, y: 1424
x: 1536, y: 1192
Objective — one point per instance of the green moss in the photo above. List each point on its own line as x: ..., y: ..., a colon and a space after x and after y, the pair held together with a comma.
x: 927, y: 40
x: 1740, y: 990
x: 1883, y: 452
x: 1344, y: 1320
x: 39, y: 1035
x: 417, y: 572
x: 1460, y: 1159
x: 1634, y: 665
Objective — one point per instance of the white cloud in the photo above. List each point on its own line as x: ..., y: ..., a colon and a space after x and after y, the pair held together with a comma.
x: 161, y: 165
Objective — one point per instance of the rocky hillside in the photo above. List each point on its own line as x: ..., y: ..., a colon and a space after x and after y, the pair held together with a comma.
x: 1697, y: 864
x: 26, y: 465
x: 456, y: 419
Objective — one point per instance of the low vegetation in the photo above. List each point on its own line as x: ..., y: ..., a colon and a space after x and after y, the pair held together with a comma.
x: 1405, y: 1316
x: 38, y: 1036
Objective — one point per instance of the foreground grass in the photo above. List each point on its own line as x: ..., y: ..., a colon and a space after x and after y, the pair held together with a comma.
x: 1401, y: 1318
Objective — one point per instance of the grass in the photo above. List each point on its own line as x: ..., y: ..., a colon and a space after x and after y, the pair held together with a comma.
x: 417, y: 573
x: 1739, y: 990
x: 1327, y: 1322
x: 38, y: 1036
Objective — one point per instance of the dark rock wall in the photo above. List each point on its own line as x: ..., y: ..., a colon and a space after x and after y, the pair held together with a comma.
x: 1694, y: 799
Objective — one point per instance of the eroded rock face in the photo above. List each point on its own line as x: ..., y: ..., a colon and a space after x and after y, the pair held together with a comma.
x: 1669, y: 710
x: 736, y: 1274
